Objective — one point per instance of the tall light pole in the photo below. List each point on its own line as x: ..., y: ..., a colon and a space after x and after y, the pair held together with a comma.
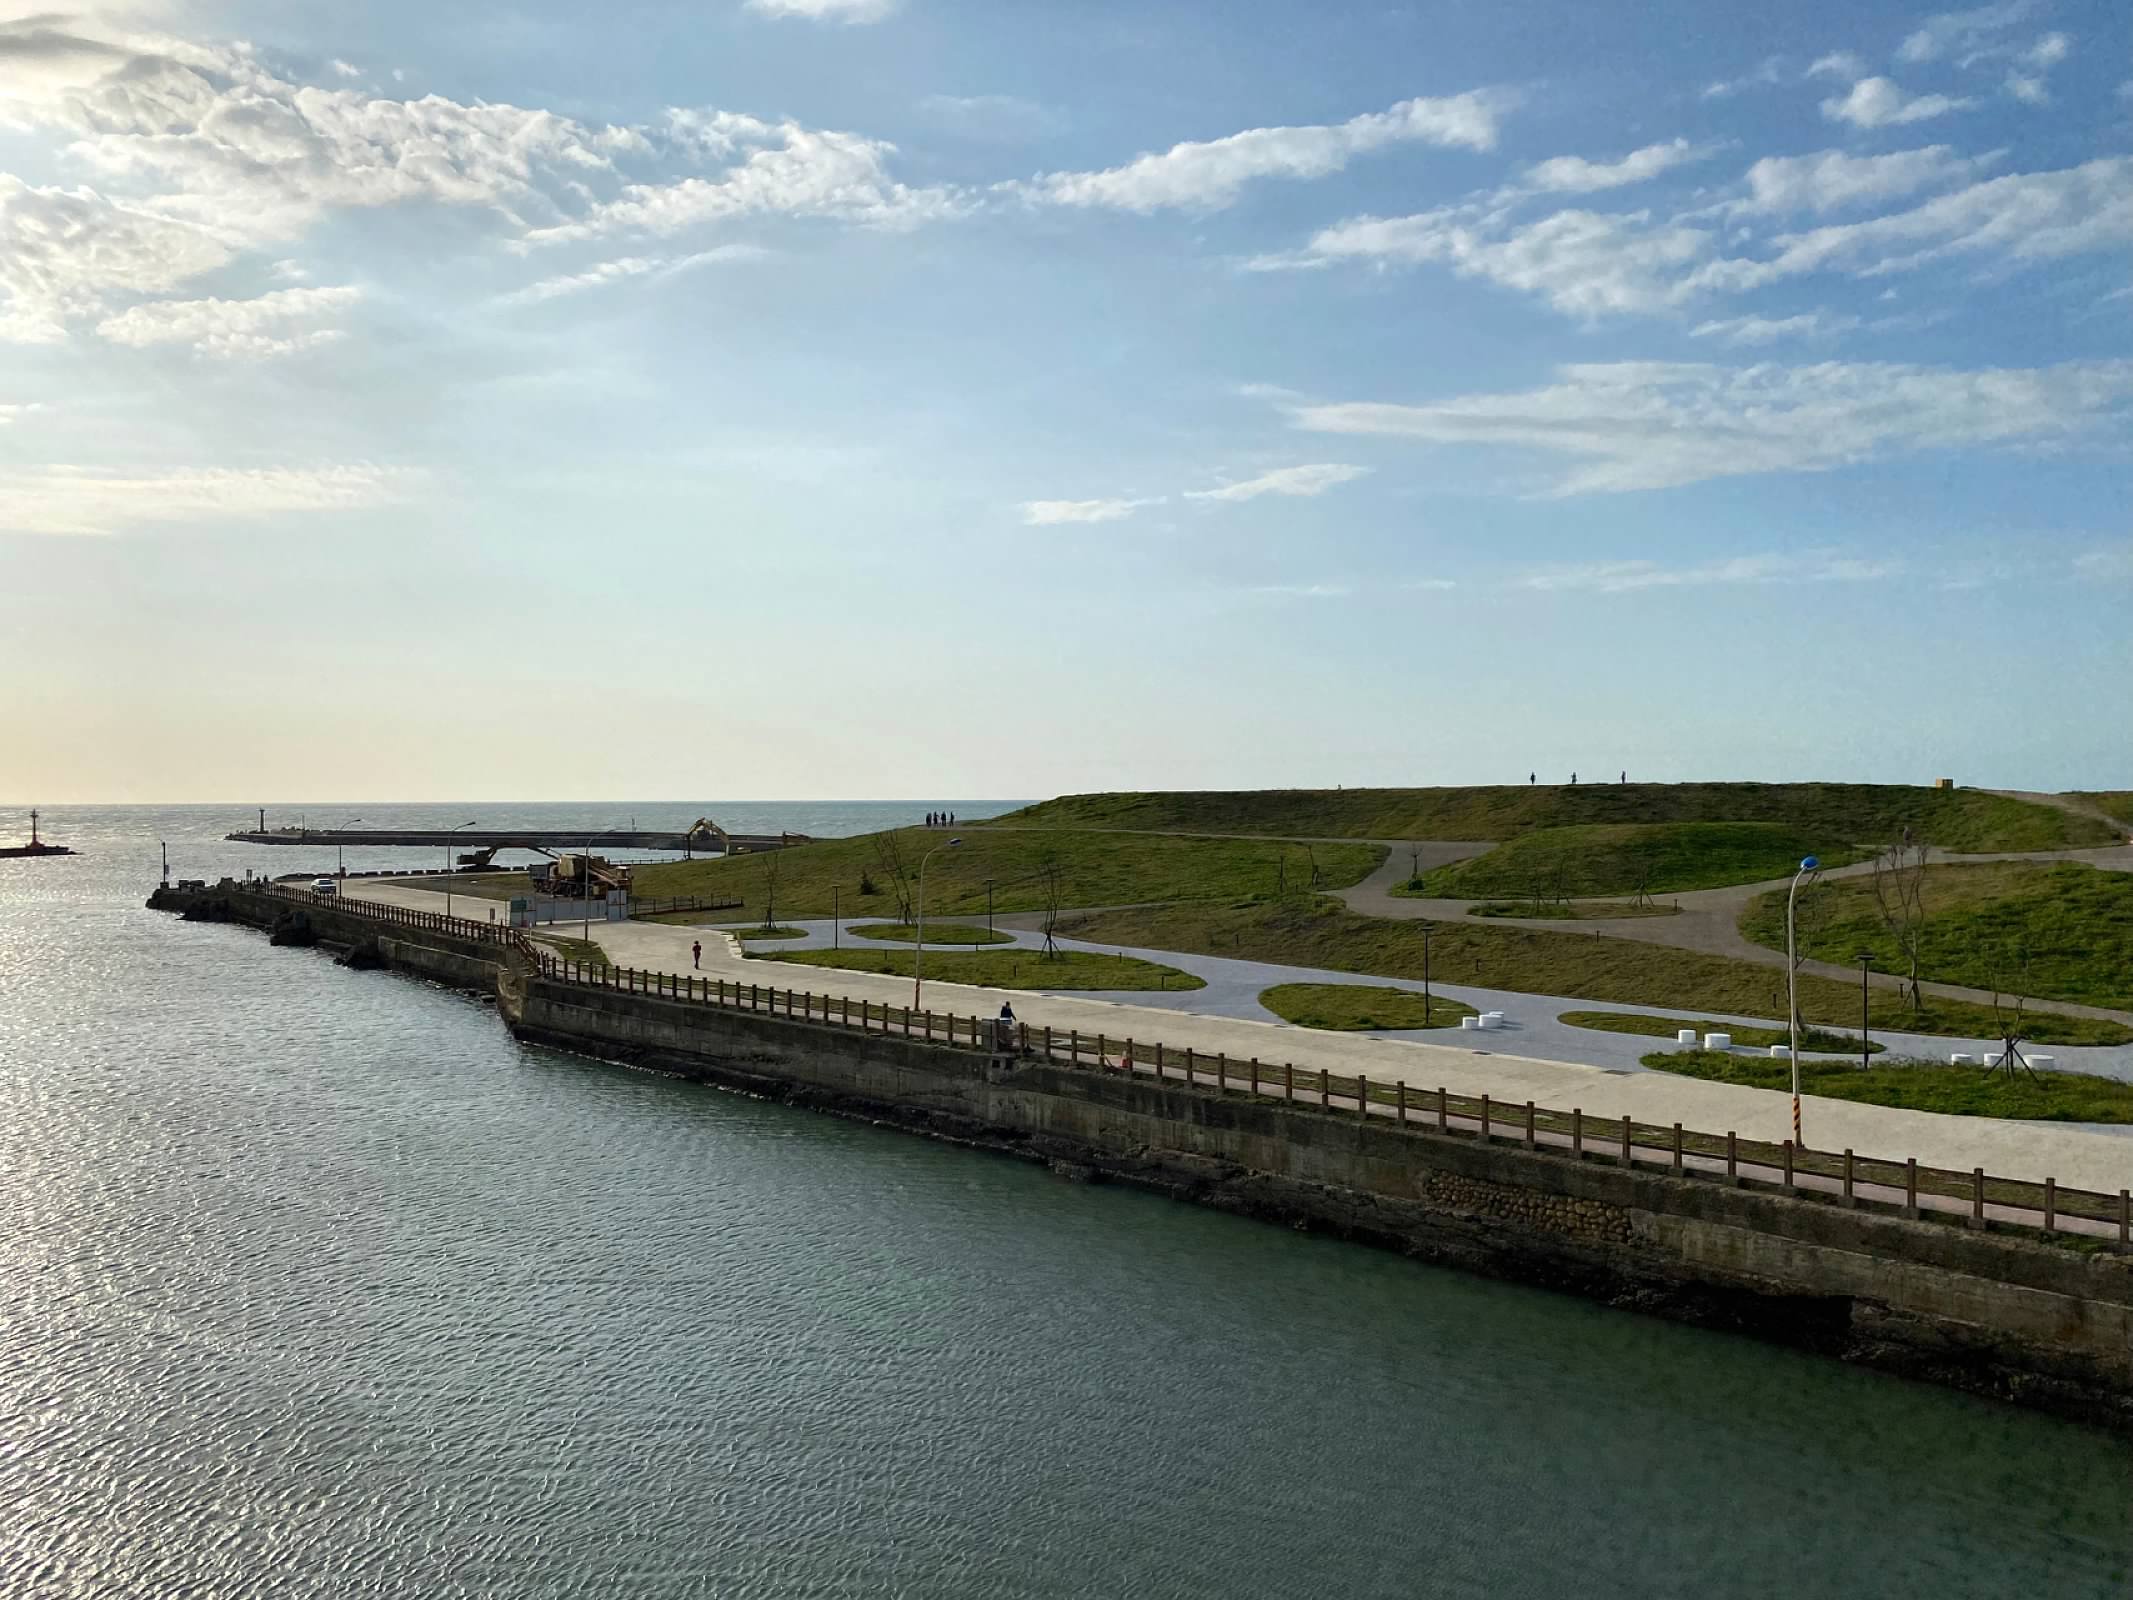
x: 585, y: 878
x: 448, y: 867
x: 340, y: 862
x: 1808, y: 866
x: 918, y: 953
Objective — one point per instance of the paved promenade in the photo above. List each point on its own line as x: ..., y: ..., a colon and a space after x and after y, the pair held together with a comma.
x: 2075, y: 1156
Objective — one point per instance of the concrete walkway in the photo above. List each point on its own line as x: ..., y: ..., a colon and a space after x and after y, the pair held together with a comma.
x: 2076, y: 1157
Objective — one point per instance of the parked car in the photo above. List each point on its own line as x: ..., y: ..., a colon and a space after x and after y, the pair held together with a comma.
x: 324, y: 886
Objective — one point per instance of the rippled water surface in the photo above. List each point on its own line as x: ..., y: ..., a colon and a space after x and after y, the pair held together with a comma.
x: 318, y: 1285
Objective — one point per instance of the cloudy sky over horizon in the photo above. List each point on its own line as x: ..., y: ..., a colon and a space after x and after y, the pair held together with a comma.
x: 877, y: 397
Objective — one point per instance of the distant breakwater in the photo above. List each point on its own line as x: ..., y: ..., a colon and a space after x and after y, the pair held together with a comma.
x: 2042, y: 1322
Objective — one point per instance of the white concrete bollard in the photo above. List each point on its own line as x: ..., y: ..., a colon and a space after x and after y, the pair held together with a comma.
x: 2043, y: 1063
x: 1684, y: 1036
x: 1492, y: 1019
x: 1718, y: 1041
x: 1998, y: 1058
x: 1961, y: 1060
x: 1779, y: 1052
x: 1470, y: 1024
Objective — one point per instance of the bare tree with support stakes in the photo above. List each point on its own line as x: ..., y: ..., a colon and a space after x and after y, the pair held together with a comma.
x: 2010, y: 1006
x: 770, y: 888
x: 1900, y: 896
x: 889, y: 852
x: 1051, y: 879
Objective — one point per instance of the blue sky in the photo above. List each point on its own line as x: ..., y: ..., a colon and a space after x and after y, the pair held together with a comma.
x: 877, y: 397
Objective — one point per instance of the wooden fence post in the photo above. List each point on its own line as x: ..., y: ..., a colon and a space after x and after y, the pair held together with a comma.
x: 1444, y: 1118
x: 1255, y: 1077
x: 1849, y: 1198
x: 1977, y: 1198
x: 1531, y: 1142
x: 1484, y: 1119
x: 1910, y: 1188
x: 1732, y: 1160
x: 2051, y: 1205
x: 1362, y: 1097
x: 1628, y: 1157
x: 1677, y: 1150
x: 1401, y: 1114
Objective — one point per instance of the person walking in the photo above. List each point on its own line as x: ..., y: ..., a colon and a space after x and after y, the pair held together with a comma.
x: 696, y: 955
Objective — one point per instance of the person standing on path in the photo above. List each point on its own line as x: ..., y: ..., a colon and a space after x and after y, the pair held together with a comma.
x: 696, y: 955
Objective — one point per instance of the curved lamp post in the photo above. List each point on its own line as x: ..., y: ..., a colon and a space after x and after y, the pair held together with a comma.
x: 918, y: 954
x: 340, y: 861
x: 1808, y: 867
x: 448, y: 868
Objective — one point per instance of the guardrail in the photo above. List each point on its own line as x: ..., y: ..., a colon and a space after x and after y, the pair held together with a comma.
x: 1903, y: 1187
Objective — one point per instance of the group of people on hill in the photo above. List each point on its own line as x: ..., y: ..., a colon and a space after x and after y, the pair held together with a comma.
x: 940, y: 819
x: 1534, y: 777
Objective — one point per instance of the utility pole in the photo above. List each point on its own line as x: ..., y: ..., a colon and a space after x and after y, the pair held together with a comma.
x: 1426, y: 1005
x: 1866, y: 1014
x: 988, y: 911
x: 836, y: 919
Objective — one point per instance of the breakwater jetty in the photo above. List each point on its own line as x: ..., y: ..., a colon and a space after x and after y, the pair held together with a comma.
x: 704, y: 838
x: 2019, y: 1291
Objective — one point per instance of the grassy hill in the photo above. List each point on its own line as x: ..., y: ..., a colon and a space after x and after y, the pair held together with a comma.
x: 1853, y: 813
x: 1096, y: 869
x: 2112, y: 803
x: 1313, y: 931
x: 2074, y: 921
x: 1610, y: 859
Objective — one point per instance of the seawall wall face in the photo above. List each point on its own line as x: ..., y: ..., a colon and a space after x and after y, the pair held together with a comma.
x: 2003, y: 1314
x: 1993, y: 1313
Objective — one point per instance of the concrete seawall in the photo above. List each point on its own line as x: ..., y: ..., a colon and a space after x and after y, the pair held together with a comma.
x: 2043, y: 1323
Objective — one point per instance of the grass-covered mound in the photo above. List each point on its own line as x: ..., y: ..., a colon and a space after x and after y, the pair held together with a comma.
x: 936, y: 933
x: 2112, y: 803
x: 1614, y: 858
x: 1954, y: 819
x: 1313, y: 931
x: 1095, y: 869
x: 2075, y: 923
x: 1919, y: 1086
x: 1006, y: 969
x: 1360, y: 1007
x: 761, y: 932
x: 1817, y: 1039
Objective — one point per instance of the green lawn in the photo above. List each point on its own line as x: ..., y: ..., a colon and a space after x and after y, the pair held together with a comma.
x: 1611, y: 858
x: 1006, y: 969
x: 1360, y: 1007
x: 1920, y: 1086
x: 582, y: 950
x: 936, y: 933
x: 1096, y: 869
x: 1954, y: 819
x: 1811, y: 1038
x: 475, y: 885
x: 2075, y: 921
x: 1573, y: 911
x: 1313, y: 931
x: 2112, y: 803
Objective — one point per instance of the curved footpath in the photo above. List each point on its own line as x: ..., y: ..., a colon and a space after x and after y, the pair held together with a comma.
x: 1709, y: 920
x: 2077, y: 1157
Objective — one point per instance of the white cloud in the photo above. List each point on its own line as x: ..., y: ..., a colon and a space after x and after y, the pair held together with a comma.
x: 1655, y: 425
x: 1305, y: 591
x: 1952, y: 31
x: 86, y: 501
x: 1833, y: 181
x: 1208, y: 175
x: 623, y: 268
x: 1050, y: 513
x: 2026, y: 78
x: 1768, y: 330
x: 2109, y: 564
x: 782, y: 169
x: 1770, y: 71
x: 1623, y: 577
x: 1576, y: 175
x: 1307, y: 480
x: 826, y: 10
x: 268, y: 325
x: 63, y: 250
x: 2023, y: 217
x: 1838, y: 64
x: 1880, y: 103
x: 345, y: 69
x: 1584, y: 263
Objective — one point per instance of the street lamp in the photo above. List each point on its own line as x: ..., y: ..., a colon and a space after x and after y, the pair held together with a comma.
x: 448, y: 866
x: 340, y: 862
x: 918, y: 954
x: 585, y: 878
x: 1808, y: 866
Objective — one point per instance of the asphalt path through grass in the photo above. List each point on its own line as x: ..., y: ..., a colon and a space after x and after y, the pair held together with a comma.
x: 2075, y: 1156
x: 1710, y: 918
